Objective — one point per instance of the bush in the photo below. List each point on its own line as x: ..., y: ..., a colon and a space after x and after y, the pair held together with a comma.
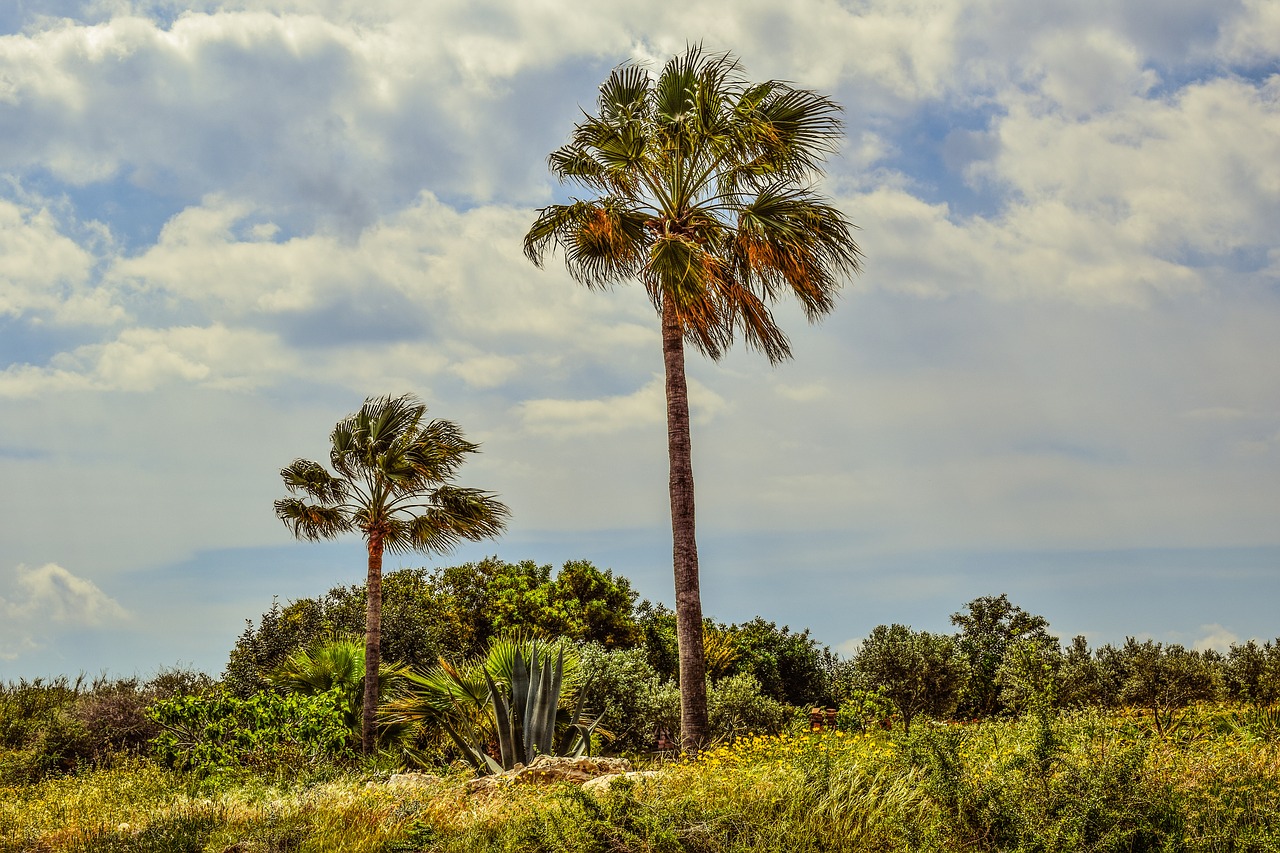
x: 219, y: 732
x: 627, y: 694
x: 61, y: 725
x: 736, y: 706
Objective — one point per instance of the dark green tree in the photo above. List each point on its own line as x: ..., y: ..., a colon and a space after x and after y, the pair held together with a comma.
x: 788, y: 665
x: 394, y: 488
x: 580, y: 602
x: 921, y: 673
x: 988, y: 627
x: 702, y: 186
x: 1253, y: 672
x: 1164, y: 679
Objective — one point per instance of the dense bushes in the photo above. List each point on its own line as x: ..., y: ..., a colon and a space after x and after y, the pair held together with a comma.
x: 450, y: 612
x: 64, y: 724
x: 218, y: 732
x: 1001, y: 662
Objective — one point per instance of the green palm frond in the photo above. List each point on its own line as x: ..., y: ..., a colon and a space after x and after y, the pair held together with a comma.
x: 393, y: 479
x: 303, y: 475
x: 603, y: 241
x: 311, y: 521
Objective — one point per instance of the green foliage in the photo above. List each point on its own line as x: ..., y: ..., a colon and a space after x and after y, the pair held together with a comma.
x: 449, y: 612
x: 218, y: 732
x: 1165, y: 679
x: 788, y: 666
x: 921, y: 673
x: 1253, y: 672
x: 337, y: 664
x: 1089, y: 679
x: 1029, y: 676
x: 62, y: 725
x: 627, y: 696
x: 736, y: 706
x: 658, y: 634
x: 988, y: 628
x: 863, y: 710
x: 516, y: 697
x: 493, y: 597
x: 791, y: 667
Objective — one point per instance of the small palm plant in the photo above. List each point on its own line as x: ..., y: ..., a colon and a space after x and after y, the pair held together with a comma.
x: 338, y: 662
x: 522, y: 695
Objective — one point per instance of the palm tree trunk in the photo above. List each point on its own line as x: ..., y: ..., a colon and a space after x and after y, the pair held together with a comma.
x: 372, y: 644
x: 684, y: 546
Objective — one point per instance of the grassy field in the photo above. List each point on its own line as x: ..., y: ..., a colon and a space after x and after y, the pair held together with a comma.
x: 1084, y: 781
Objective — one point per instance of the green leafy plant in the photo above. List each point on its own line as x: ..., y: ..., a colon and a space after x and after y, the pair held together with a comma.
x: 337, y: 664
x: 217, y: 731
x: 512, y: 698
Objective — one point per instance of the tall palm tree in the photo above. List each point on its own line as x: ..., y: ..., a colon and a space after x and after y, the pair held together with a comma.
x: 702, y: 191
x: 393, y: 487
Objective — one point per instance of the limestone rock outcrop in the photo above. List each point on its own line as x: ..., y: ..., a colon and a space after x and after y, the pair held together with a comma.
x: 549, y: 769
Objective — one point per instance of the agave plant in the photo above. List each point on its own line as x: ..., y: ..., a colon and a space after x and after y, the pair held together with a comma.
x: 520, y: 695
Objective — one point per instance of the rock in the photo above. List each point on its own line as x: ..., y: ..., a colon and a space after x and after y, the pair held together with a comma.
x: 600, y: 784
x: 410, y: 780
x: 549, y: 769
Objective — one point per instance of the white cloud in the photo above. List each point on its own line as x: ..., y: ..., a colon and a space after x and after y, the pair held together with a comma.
x: 645, y: 408
x: 1215, y: 637
x: 44, y: 273
x: 48, y: 599
x: 142, y: 359
x: 1253, y: 36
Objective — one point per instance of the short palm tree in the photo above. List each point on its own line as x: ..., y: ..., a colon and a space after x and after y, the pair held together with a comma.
x: 702, y: 191
x: 393, y: 487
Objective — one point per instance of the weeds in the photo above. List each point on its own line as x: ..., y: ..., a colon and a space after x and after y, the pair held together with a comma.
x: 1086, y: 781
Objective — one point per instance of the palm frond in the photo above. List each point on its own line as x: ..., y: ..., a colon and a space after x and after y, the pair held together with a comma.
x: 311, y: 478
x: 788, y: 239
x: 704, y: 198
x: 311, y: 521
x: 624, y: 96
x: 603, y: 241
x: 437, y: 450
x: 372, y: 439
x: 452, y: 515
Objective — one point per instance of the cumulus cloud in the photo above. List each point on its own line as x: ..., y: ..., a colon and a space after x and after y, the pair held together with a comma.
x: 46, y: 274
x: 1062, y: 338
x: 44, y: 600
x: 1215, y: 637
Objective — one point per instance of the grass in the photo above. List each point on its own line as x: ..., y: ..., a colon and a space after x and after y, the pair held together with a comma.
x: 1077, y: 782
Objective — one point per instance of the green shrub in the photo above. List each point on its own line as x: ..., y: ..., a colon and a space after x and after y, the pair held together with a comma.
x: 628, y: 695
x: 219, y: 732
x: 1040, y: 785
x: 64, y: 724
x: 737, y: 706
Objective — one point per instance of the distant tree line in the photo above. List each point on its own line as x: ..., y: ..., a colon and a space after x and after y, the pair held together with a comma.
x: 1001, y: 660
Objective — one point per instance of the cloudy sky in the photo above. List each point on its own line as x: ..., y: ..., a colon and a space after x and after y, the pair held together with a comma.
x: 224, y: 224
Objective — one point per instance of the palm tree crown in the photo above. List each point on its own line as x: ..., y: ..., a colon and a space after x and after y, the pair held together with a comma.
x: 394, y: 483
x: 393, y: 487
x: 704, y: 195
